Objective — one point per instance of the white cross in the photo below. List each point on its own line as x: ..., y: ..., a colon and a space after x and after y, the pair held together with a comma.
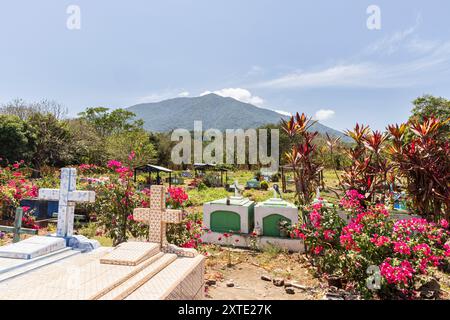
x: 67, y: 197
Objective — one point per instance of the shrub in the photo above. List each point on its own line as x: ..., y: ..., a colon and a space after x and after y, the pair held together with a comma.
x: 421, y: 154
x: 405, y: 251
x: 14, y: 186
x: 188, y: 233
x: 302, y: 157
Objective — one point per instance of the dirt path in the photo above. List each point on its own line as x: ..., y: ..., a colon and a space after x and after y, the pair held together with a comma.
x: 243, y: 279
x: 248, y: 285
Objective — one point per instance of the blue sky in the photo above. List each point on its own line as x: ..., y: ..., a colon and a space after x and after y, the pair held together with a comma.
x: 317, y: 57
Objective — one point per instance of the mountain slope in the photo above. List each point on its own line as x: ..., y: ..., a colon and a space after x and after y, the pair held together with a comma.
x: 214, y: 111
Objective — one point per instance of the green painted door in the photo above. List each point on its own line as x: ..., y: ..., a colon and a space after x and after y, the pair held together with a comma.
x: 225, y: 221
x: 271, y: 227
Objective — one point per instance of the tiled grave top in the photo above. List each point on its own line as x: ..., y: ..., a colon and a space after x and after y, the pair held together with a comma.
x: 83, y: 277
x: 234, y: 201
x: 276, y: 202
x: 131, y: 253
x: 32, y: 247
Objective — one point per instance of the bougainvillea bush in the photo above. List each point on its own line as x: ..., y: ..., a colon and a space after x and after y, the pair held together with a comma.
x: 404, y: 252
x: 117, y: 196
x: 14, y: 186
x: 116, y: 199
x: 188, y: 233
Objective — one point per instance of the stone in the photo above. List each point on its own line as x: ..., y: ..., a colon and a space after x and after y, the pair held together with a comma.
x: 210, y: 282
x: 299, y: 286
x: 290, y: 290
x: 83, y: 244
x: 278, y: 282
x: 333, y: 296
x: 230, y: 284
x: 430, y: 290
x: 266, y: 278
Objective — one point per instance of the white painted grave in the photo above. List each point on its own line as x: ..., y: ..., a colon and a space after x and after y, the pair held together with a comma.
x: 68, y: 196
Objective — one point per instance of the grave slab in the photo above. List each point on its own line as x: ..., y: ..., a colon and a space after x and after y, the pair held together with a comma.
x: 32, y: 247
x: 131, y: 253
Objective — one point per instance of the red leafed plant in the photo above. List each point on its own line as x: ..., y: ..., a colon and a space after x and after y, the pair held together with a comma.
x: 302, y: 156
x: 370, y: 170
x: 421, y: 155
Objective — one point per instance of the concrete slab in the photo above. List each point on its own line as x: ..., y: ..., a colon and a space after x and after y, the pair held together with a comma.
x: 32, y: 247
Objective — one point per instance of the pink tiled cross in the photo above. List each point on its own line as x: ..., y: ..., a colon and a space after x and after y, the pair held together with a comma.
x: 157, y: 216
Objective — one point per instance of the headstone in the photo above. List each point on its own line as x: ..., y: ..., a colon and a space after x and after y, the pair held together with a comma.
x: 17, y: 229
x: 67, y: 196
x: 157, y: 217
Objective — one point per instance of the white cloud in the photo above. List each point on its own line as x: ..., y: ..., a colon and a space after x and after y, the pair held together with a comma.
x: 184, y: 94
x: 284, y: 113
x: 368, y: 74
x: 240, y: 94
x: 417, y: 61
x: 156, y: 97
x: 324, y: 114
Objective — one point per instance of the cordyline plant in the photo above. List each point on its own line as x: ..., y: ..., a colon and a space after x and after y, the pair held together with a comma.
x: 302, y: 157
x: 422, y: 155
x: 369, y: 171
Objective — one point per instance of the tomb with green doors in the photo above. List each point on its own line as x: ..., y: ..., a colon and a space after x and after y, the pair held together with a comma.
x: 229, y: 215
x: 274, y: 216
x: 250, y: 224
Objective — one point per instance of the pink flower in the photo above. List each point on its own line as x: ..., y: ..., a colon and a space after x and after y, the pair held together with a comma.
x: 423, y: 248
x: 318, y: 250
x: 444, y: 224
x: 380, y: 241
x: 402, y: 247
x: 328, y: 234
x: 112, y: 164
x: 399, y: 274
x: 315, y: 218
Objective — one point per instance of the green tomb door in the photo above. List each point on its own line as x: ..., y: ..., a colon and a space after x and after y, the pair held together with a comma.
x: 271, y: 227
x: 225, y: 221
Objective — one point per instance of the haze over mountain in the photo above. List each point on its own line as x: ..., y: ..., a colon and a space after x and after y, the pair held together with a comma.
x: 213, y: 110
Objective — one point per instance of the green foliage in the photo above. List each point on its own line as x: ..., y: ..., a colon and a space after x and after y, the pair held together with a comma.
x: 87, y: 146
x: 186, y: 234
x: 264, y: 185
x: 198, y: 197
x: 17, y: 139
x: 52, y: 142
x: 120, y: 145
x: 164, y: 147
x: 110, y: 123
x: 428, y: 106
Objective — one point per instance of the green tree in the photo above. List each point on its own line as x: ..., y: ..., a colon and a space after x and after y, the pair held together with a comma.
x: 86, y: 145
x: 53, y: 141
x: 111, y: 123
x: 428, y: 106
x: 120, y: 146
x: 17, y: 139
x: 163, y: 145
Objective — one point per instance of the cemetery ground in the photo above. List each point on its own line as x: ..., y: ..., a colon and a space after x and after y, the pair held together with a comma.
x: 232, y: 273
